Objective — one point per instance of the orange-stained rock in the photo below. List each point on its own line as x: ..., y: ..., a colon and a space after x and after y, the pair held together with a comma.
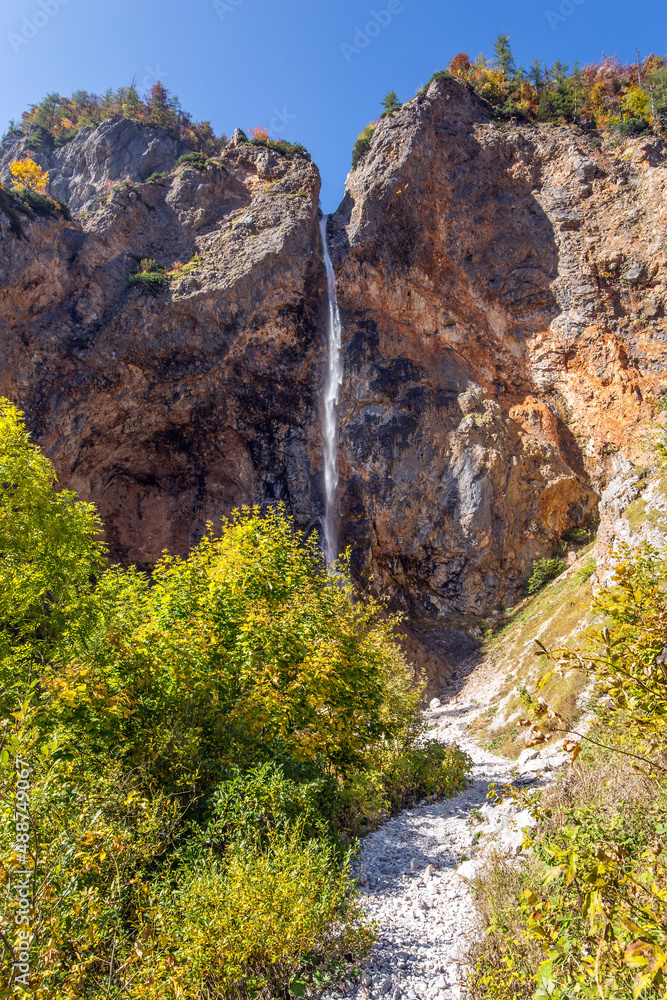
x: 503, y: 296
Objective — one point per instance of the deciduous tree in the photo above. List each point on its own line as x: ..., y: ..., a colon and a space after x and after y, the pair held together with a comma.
x: 28, y: 175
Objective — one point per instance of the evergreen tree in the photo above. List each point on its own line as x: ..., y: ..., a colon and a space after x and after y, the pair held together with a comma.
x: 504, y: 57
x: 44, y: 113
x: 559, y: 71
x: 536, y: 76
x: 391, y: 103
x: 556, y: 104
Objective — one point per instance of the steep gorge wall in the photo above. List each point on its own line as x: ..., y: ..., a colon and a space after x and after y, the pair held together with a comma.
x: 171, y: 411
x: 503, y: 300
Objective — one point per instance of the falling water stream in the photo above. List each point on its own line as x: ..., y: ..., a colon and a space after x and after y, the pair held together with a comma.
x: 332, y: 386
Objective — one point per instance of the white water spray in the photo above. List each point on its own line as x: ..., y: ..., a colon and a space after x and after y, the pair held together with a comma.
x: 331, y: 393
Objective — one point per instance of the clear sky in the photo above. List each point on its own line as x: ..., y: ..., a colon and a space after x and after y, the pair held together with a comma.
x: 308, y: 71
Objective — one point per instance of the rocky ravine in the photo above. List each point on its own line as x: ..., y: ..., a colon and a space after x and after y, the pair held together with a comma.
x: 503, y: 299
x: 414, y: 882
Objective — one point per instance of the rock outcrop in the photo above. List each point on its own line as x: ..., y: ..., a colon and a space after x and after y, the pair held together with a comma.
x: 502, y: 292
x: 503, y: 296
x: 87, y: 166
x: 169, y: 411
x: 633, y: 512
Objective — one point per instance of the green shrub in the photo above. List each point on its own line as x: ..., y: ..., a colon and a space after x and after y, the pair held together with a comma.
x: 65, y: 209
x: 363, y: 144
x: 577, y: 536
x: 404, y: 765
x: 399, y: 774
x: 38, y: 203
x: 48, y: 557
x: 253, y: 806
x: 197, y: 160
x: 632, y: 127
x: 152, y: 282
x: 157, y: 177
x: 151, y: 278
x: 542, y: 572
x: 257, y: 923
x: 27, y: 200
x: 288, y: 149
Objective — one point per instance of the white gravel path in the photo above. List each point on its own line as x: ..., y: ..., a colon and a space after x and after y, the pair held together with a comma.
x: 423, y: 909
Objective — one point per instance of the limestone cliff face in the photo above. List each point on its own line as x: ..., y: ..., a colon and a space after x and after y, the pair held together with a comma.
x: 171, y: 411
x: 85, y: 168
x: 502, y: 292
x: 503, y: 299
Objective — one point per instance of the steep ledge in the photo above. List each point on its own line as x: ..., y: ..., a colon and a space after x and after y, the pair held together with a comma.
x: 502, y: 292
x: 172, y: 410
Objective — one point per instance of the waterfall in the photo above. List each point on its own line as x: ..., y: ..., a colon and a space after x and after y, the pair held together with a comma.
x: 332, y: 386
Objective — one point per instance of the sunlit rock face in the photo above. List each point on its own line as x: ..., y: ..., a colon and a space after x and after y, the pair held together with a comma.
x: 502, y: 291
x: 170, y: 411
x: 89, y: 164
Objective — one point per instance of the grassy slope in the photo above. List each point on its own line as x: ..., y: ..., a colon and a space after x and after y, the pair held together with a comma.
x: 556, y: 616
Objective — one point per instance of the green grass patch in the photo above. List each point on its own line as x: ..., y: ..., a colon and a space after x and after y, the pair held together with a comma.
x: 554, y: 615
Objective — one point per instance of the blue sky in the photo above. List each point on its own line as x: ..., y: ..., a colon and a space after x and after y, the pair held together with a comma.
x: 300, y: 68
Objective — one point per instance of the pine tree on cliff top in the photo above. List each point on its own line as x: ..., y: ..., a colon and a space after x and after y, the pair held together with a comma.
x: 504, y: 57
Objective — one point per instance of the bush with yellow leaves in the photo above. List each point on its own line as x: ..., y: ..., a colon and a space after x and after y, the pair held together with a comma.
x: 594, y: 897
x: 28, y: 175
x: 175, y: 753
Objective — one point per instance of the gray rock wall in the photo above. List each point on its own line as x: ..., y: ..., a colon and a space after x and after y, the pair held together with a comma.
x: 89, y: 164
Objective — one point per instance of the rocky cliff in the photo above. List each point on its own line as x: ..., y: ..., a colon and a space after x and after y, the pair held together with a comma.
x: 87, y: 167
x: 171, y: 410
x: 502, y: 290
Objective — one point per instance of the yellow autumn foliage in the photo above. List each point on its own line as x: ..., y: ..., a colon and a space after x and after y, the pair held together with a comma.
x: 28, y: 175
